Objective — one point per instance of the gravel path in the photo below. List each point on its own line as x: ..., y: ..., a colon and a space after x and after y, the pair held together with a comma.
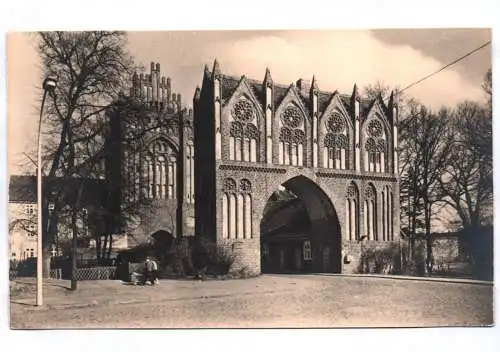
x: 267, y: 301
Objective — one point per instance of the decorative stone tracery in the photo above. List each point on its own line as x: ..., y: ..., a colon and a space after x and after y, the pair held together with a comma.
x: 387, y: 211
x: 243, y: 133
x: 292, y: 137
x: 243, y: 111
x: 292, y: 117
x: 159, y: 171
x: 375, y: 147
x: 352, y: 212
x: 237, y: 209
x: 335, y: 142
x: 370, y: 212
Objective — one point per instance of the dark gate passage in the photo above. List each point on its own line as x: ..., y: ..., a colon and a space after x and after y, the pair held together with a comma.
x: 300, y: 231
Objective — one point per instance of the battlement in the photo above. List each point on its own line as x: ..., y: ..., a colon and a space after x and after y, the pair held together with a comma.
x: 155, y: 90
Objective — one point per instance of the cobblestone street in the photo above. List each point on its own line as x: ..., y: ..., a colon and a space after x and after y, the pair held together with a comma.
x: 266, y: 301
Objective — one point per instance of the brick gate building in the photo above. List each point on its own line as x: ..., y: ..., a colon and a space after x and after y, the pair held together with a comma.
x: 335, y: 153
x: 150, y: 160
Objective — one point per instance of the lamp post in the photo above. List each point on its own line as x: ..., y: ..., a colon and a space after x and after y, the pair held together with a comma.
x: 49, y: 85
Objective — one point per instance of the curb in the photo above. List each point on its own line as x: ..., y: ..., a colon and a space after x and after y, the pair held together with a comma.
x: 414, y: 278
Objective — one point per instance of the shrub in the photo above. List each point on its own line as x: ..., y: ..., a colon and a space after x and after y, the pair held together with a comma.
x: 197, y: 256
x: 415, y: 266
x: 211, y: 258
x: 384, y: 260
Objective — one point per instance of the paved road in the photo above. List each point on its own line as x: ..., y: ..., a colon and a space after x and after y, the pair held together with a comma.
x: 278, y: 301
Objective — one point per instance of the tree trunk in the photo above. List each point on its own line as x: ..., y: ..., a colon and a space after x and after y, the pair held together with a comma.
x: 98, y: 245
x: 104, y: 247
x: 46, y: 252
x: 428, y: 237
x: 110, y: 246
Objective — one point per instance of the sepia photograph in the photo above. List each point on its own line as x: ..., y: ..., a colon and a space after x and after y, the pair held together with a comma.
x: 258, y: 179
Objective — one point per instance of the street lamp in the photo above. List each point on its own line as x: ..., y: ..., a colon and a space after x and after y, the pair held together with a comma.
x: 49, y: 85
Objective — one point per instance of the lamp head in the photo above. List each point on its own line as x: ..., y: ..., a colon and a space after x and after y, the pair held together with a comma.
x: 49, y: 84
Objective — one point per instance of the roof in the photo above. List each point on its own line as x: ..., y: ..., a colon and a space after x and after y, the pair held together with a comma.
x: 22, y: 188
x: 230, y: 83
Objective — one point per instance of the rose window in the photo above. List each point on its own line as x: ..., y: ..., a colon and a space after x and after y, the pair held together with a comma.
x: 243, y: 111
x: 292, y: 117
x: 375, y: 128
x: 336, y: 123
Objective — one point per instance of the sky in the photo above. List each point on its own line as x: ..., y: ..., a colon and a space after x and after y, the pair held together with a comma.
x: 337, y: 58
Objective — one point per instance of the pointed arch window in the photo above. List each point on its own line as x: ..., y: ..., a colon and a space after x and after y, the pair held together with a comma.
x: 370, y: 213
x: 237, y: 209
x: 352, y: 212
x: 335, y: 143
x: 190, y: 171
x: 387, y: 231
x: 375, y: 147
x: 243, y: 134
x: 159, y: 171
x: 246, y: 205
x: 292, y: 137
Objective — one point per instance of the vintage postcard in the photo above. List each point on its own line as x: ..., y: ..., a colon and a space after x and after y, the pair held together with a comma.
x: 250, y: 179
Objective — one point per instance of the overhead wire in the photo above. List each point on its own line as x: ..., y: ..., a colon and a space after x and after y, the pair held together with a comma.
x: 445, y: 67
x: 448, y: 65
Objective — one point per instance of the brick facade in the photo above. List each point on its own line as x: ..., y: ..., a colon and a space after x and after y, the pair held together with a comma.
x: 214, y: 106
x: 151, y: 114
x: 262, y: 116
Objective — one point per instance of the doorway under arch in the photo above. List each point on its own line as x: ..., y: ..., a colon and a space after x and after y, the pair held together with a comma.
x: 300, y: 230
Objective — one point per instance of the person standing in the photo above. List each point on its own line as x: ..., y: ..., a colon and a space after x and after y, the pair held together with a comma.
x: 150, y: 271
x: 154, y: 272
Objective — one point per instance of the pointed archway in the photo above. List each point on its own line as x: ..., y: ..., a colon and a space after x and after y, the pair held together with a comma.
x: 300, y: 230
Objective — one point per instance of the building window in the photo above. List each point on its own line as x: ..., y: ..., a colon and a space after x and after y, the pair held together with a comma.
x: 243, y: 134
x: 335, y: 143
x: 375, y: 147
x: 237, y: 209
x: 292, y: 137
x: 159, y: 171
x: 190, y: 172
x: 387, y: 233
x: 352, y: 212
x: 29, y: 209
x: 307, y: 250
x: 335, y: 150
x: 370, y: 213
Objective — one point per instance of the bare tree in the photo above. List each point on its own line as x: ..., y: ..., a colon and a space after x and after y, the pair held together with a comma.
x: 91, y: 69
x: 488, y: 87
x: 467, y: 181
